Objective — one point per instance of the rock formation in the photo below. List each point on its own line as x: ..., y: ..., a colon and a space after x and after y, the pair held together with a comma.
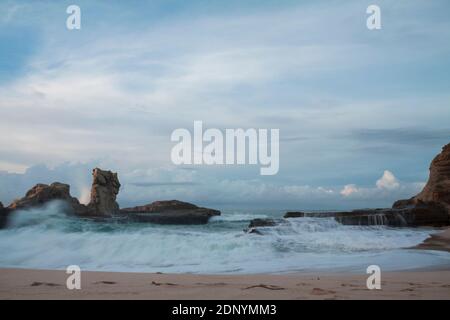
x: 40, y: 194
x: 431, y: 207
x: 294, y: 214
x: 4, y: 213
x: 437, y: 189
x: 257, y: 223
x: 170, y: 212
x: 105, y: 187
x: 431, y: 215
x: 261, y: 223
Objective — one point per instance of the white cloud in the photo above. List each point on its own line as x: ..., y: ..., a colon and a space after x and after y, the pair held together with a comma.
x: 388, y: 181
x: 349, y: 190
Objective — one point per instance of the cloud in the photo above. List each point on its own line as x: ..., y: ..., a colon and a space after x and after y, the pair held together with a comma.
x: 388, y: 181
x: 387, y: 187
x: 113, y: 93
x: 348, y: 190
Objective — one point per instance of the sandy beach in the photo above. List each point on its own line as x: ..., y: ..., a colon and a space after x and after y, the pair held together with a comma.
x: 48, y: 284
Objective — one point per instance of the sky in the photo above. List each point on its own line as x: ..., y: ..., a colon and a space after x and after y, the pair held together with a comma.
x: 361, y: 112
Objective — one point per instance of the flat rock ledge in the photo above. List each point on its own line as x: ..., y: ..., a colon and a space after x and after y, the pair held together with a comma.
x: 419, y: 215
x: 170, y: 212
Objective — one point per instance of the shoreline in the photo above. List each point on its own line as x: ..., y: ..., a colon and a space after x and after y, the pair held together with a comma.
x: 51, y: 284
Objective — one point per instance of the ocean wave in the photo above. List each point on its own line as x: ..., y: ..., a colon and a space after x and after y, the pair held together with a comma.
x: 46, y: 238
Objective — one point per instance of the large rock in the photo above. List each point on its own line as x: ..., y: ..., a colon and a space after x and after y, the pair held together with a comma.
x: 294, y: 214
x: 431, y: 215
x: 437, y: 189
x: 255, y: 223
x: 105, y: 187
x: 421, y: 214
x: 170, y: 212
x: 40, y: 194
x: 258, y: 223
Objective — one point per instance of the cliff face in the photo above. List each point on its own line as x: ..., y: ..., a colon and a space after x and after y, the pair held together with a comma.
x: 437, y: 189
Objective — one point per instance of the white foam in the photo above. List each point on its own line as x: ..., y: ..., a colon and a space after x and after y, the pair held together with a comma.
x: 45, y: 238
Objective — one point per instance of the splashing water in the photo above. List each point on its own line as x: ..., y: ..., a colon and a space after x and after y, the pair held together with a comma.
x: 46, y: 238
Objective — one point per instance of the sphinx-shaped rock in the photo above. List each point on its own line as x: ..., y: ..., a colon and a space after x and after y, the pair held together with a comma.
x: 105, y: 187
x: 170, y: 212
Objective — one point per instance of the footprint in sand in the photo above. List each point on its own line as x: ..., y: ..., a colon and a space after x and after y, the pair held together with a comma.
x: 48, y: 284
x: 163, y: 283
x: 265, y: 286
x: 321, y: 292
x: 105, y: 282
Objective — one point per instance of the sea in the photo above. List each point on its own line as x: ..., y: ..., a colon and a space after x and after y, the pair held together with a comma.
x: 46, y: 238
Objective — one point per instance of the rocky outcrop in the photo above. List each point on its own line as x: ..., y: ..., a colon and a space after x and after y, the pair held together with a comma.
x: 294, y: 214
x: 4, y: 213
x: 421, y: 214
x: 255, y: 223
x: 437, y: 189
x: 431, y: 215
x: 431, y: 207
x: 258, y: 223
x: 41, y: 194
x: 105, y: 187
x: 170, y: 212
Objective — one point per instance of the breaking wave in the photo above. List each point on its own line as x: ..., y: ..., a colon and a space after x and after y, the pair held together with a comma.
x: 46, y: 238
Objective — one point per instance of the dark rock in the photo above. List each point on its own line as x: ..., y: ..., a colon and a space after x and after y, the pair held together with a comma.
x: 294, y: 214
x: 299, y: 214
x: 105, y: 187
x: 4, y: 214
x: 41, y: 194
x: 255, y: 223
x: 170, y: 212
x: 419, y: 215
x: 254, y: 231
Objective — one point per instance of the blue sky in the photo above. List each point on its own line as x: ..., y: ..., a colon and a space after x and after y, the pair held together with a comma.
x: 350, y: 103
